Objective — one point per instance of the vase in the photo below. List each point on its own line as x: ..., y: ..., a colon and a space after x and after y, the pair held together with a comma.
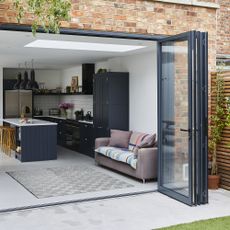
x: 69, y: 114
x: 64, y: 113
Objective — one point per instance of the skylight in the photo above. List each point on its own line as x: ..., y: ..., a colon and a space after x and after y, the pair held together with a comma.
x: 87, y: 46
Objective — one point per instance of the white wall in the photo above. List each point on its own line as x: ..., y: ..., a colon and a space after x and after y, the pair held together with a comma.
x: 67, y: 75
x: 1, y: 93
x: 52, y: 78
x: 142, y: 69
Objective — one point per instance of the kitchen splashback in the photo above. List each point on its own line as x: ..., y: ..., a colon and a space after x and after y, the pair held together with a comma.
x: 84, y: 102
x: 45, y: 103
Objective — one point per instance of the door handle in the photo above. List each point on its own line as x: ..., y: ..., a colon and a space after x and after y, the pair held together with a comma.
x: 184, y: 130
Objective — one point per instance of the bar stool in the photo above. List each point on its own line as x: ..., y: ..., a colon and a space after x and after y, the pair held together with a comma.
x: 1, y: 137
x: 9, y: 140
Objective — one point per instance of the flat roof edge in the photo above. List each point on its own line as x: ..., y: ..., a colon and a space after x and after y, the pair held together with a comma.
x: 82, y: 32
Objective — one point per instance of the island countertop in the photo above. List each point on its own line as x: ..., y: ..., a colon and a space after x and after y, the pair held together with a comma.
x: 31, y: 122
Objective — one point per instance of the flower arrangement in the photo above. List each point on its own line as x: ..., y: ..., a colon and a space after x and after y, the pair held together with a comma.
x: 66, y: 106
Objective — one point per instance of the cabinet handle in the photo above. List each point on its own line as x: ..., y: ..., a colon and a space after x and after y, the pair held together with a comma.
x: 100, y: 127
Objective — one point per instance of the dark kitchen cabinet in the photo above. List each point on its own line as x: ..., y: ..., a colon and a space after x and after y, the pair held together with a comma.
x: 68, y: 132
x: 71, y: 135
x: 60, y: 128
x: 88, y: 71
x: 111, y: 102
x: 86, y: 139
x: 8, y: 84
x: 60, y: 133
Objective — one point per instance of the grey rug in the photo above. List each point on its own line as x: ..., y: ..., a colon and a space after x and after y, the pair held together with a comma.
x: 53, y: 182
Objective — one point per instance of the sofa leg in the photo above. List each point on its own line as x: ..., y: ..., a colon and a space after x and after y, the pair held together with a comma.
x: 143, y: 180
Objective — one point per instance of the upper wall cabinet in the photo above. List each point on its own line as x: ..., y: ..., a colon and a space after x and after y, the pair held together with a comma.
x: 88, y: 71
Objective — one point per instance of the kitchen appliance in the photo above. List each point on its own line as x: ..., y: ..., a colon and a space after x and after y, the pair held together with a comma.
x: 88, y: 116
x: 15, y: 102
x: 38, y: 112
x: 71, y: 134
x: 79, y: 114
x: 54, y: 112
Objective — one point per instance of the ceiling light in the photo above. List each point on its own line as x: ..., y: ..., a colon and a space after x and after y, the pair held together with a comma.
x: 89, y: 46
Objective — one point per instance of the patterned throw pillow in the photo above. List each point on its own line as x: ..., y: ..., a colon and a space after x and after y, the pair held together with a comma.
x: 136, y: 138
x: 148, y: 142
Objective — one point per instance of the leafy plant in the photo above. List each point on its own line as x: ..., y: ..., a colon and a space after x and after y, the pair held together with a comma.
x: 46, y: 13
x: 220, y: 119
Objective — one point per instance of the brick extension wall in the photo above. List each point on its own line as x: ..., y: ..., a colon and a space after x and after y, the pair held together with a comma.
x: 223, y: 27
x: 135, y: 16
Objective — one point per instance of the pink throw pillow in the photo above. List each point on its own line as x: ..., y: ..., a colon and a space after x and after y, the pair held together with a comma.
x: 120, y: 138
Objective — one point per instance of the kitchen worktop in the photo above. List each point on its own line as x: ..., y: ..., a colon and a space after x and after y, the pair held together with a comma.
x: 31, y: 122
x: 86, y: 122
x: 64, y: 118
x: 50, y: 116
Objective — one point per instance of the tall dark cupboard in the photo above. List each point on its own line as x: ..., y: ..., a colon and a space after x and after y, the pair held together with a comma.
x: 88, y: 71
x: 110, y: 102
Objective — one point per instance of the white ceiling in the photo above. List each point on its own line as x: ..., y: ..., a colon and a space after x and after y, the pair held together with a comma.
x: 13, y: 52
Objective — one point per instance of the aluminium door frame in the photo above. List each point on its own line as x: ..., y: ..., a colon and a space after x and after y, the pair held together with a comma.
x: 198, y: 114
x: 121, y: 35
x: 187, y: 36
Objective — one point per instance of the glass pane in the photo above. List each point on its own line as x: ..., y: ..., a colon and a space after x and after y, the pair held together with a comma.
x: 175, y: 124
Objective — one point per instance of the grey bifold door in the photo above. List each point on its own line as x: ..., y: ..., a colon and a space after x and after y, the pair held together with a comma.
x: 183, y: 117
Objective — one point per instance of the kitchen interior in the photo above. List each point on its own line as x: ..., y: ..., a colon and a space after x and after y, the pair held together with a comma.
x: 54, y: 88
x: 54, y: 96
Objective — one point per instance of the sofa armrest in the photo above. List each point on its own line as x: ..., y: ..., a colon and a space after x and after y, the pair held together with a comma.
x: 102, y: 141
x: 147, y: 162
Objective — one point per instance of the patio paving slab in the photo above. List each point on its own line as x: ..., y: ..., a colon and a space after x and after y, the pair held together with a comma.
x: 141, y: 212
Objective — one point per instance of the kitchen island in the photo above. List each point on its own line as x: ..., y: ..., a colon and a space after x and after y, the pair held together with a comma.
x: 36, y: 140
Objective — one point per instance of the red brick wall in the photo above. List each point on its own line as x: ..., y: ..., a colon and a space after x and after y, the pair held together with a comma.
x: 223, y: 27
x: 135, y: 16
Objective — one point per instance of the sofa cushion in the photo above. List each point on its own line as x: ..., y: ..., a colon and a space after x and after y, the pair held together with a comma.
x: 119, y: 138
x: 148, y: 141
x: 118, y: 154
x: 135, y: 139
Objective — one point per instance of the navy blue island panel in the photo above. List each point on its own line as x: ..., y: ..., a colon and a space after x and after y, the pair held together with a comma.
x: 37, y: 139
x: 38, y: 143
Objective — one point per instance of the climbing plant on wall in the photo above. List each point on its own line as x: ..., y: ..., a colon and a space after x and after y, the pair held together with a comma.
x: 46, y: 13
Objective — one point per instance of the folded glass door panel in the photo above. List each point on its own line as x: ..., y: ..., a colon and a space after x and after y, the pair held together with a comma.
x: 178, y: 114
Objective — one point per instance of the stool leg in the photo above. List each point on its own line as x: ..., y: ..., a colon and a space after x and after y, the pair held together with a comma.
x: 8, y: 143
x: 4, y: 141
x: 1, y: 138
x: 12, y: 141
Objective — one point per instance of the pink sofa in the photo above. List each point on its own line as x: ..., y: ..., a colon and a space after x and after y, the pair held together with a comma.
x: 143, y: 166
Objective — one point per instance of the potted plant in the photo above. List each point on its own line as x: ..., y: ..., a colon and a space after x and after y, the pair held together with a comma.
x: 218, y: 121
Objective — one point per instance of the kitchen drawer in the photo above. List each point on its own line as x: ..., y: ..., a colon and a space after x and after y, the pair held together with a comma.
x: 86, y: 130
x: 87, y: 139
